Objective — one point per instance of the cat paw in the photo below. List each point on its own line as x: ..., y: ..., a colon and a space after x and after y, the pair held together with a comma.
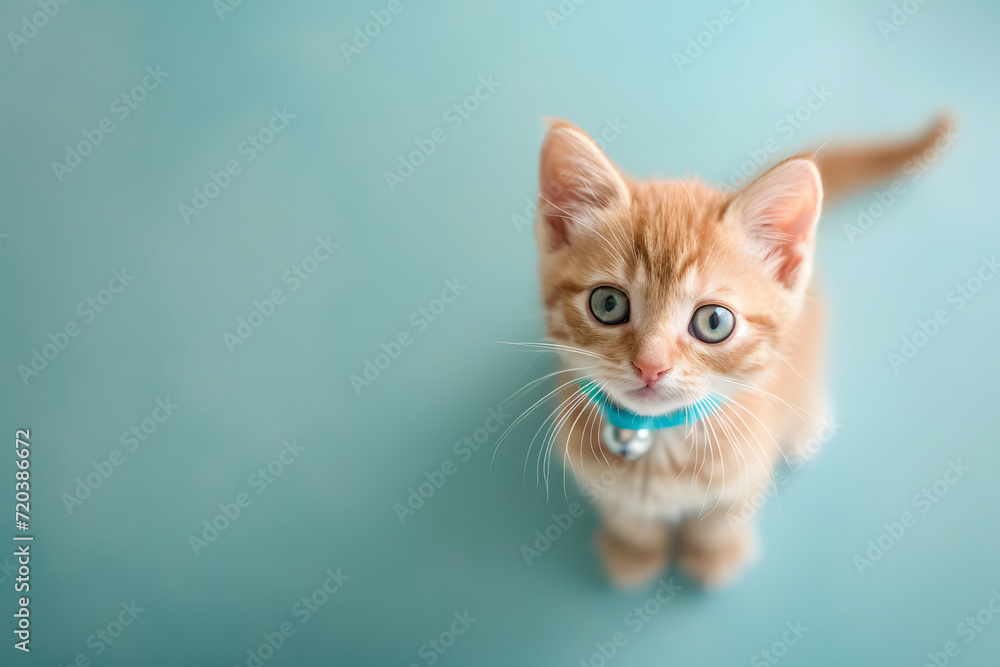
x: 627, y: 566
x: 717, y: 564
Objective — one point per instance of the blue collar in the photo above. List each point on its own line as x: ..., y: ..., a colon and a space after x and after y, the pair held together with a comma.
x: 623, y: 418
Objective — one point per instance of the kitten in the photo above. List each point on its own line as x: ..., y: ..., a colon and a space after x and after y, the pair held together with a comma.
x: 676, y: 298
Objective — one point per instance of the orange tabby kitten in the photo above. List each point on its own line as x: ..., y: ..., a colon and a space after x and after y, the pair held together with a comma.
x: 675, y: 298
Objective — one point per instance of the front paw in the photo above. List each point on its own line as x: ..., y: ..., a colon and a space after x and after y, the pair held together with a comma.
x: 628, y: 566
x: 717, y: 563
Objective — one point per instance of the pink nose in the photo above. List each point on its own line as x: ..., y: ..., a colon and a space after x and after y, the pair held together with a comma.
x: 650, y: 371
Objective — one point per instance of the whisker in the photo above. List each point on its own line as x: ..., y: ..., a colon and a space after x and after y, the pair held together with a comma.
x: 553, y: 416
x: 590, y: 227
x: 780, y: 357
x: 523, y: 416
x: 711, y: 449
x: 552, y: 442
x: 566, y: 457
x: 774, y: 436
x: 704, y: 457
x: 545, y: 377
x: 743, y: 471
x: 797, y: 410
x: 719, y: 415
x: 597, y: 421
x: 767, y: 469
x: 591, y: 423
x: 556, y: 347
x: 629, y: 249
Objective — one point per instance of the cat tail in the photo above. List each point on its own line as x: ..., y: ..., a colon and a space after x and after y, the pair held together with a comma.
x: 847, y: 169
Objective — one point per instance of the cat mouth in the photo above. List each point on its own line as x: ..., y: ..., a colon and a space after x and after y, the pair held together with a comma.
x: 646, y: 395
x: 650, y: 401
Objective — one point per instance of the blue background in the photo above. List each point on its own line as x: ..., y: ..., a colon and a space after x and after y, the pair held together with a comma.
x: 455, y: 218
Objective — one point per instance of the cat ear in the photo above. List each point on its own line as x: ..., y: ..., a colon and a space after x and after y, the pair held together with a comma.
x: 780, y: 211
x: 575, y: 181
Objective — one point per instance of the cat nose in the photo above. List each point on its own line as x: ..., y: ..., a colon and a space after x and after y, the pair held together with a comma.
x: 650, y: 371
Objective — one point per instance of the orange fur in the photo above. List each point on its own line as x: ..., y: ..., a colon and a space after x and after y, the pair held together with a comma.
x: 672, y: 246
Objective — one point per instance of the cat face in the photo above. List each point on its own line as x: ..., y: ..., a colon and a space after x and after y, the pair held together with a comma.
x: 669, y: 291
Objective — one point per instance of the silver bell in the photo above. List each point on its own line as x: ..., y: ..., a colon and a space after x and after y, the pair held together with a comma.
x: 626, y: 443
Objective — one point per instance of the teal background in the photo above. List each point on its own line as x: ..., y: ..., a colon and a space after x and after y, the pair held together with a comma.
x: 452, y: 220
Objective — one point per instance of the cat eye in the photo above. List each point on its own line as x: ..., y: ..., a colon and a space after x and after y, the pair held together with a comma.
x: 609, y: 305
x: 712, y: 324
